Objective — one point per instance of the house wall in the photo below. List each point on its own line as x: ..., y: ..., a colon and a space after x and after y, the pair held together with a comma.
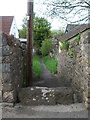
x: 12, y: 67
x: 14, y: 29
x: 77, y: 69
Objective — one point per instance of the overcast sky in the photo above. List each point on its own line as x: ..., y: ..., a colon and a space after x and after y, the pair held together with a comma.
x: 18, y: 8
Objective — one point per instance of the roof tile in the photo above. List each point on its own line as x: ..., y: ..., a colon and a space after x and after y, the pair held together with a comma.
x: 5, y: 23
x: 74, y: 32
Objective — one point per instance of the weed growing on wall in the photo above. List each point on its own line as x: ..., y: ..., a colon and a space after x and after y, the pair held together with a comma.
x: 65, y: 45
x: 78, y: 39
x: 71, y: 52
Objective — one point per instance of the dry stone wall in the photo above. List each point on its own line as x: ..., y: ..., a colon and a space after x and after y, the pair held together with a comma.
x: 12, y: 67
x: 0, y: 68
x: 81, y: 72
x: 65, y: 68
x: 77, y: 69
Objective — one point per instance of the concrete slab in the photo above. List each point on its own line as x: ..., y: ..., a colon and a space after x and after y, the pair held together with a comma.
x: 61, y: 111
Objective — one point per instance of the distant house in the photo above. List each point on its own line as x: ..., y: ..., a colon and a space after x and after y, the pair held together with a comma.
x: 8, y: 26
x: 74, y: 32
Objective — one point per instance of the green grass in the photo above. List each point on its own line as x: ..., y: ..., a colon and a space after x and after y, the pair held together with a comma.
x: 51, y: 64
x: 37, y: 69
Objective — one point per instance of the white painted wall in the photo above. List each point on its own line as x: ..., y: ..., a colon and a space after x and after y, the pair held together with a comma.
x: 14, y: 29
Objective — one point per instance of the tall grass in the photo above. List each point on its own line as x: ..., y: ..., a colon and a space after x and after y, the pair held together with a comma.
x: 51, y: 64
x: 37, y: 68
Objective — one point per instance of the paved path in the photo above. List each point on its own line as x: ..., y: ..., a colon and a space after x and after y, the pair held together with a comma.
x: 48, y: 79
x: 60, y: 111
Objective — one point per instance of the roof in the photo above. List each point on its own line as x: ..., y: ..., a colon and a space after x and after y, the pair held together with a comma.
x: 74, y: 32
x: 5, y: 23
x: 70, y: 27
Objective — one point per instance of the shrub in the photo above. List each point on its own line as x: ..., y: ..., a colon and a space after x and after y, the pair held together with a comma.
x: 47, y: 46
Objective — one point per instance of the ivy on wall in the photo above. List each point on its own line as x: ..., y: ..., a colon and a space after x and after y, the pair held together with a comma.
x: 65, y: 45
x: 71, y: 52
x: 78, y: 38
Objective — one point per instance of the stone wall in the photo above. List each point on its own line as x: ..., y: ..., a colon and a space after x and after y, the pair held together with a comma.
x: 0, y: 68
x: 65, y: 67
x: 12, y: 67
x: 77, y: 68
x: 81, y: 72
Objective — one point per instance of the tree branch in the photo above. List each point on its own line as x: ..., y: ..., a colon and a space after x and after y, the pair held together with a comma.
x: 64, y: 8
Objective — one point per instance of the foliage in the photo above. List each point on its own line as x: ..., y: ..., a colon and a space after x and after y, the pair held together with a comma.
x: 71, y: 52
x: 23, y: 33
x: 41, y: 30
x: 65, y: 45
x: 78, y: 39
x: 37, y: 68
x: 47, y: 46
x: 51, y: 64
x: 56, y: 33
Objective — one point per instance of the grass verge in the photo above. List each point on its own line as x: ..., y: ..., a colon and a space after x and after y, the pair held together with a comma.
x: 51, y: 64
x: 37, y: 68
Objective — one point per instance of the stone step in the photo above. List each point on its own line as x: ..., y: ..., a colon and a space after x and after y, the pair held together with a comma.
x: 46, y: 96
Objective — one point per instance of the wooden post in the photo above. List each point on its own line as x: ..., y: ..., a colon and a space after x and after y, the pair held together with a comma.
x: 30, y: 39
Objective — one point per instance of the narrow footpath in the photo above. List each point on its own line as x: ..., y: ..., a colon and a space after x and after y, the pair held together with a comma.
x: 47, y: 79
x: 50, y: 80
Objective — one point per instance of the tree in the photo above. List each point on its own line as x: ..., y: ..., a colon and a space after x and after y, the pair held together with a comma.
x: 41, y: 30
x: 56, y: 33
x: 72, y: 11
x: 23, y: 31
x: 47, y: 46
